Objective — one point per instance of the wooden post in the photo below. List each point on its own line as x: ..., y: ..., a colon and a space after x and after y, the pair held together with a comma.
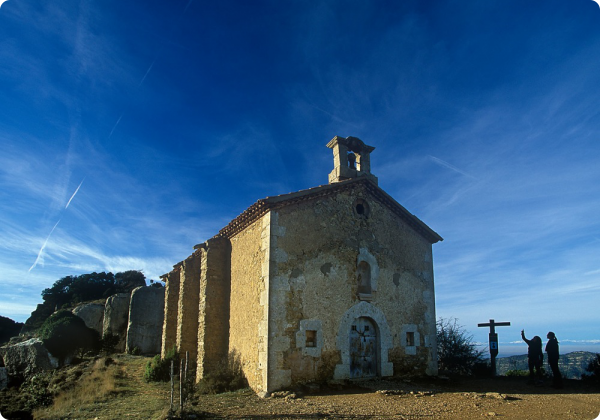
x: 181, y: 386
x: 187, y: 358
x: 172, y: 389
x: 493, y: 340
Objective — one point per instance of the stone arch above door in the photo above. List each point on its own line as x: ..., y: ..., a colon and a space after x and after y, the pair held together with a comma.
x: 363, y: 310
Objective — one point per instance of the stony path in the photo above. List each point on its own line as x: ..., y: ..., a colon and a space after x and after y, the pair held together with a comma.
x: 469, y: 400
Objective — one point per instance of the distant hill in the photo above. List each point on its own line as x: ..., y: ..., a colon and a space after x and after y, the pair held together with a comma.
x: 8, y: 329
x: 571, y: 365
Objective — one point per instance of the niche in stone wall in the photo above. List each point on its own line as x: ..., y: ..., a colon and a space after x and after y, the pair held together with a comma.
x: 365, y: 291
x: 367, y: 272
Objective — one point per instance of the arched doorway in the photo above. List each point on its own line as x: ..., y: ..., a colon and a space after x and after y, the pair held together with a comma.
x: 363, y: 348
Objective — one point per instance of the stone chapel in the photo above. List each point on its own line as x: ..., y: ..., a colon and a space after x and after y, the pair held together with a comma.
x: 330, y: 283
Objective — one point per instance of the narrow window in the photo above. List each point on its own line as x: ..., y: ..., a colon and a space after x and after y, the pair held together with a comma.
x: 410, y: 339
x: 311, y: 338
x: 364, y: 278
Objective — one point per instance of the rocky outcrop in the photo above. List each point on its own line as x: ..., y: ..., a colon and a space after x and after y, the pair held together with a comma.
x: 146, y: 311
x: 3, y: 378
x: 116, y: 314
x: 27, y: 358
x: 92, y: 314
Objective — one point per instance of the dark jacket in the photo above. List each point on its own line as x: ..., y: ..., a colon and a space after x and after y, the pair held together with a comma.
x: 552, y: 349
x: 534, y: 349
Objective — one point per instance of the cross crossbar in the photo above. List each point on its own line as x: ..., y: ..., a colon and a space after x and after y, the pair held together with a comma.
x: 493, y: 324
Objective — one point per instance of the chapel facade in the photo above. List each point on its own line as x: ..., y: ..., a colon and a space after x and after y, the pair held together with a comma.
x: 330, y: 283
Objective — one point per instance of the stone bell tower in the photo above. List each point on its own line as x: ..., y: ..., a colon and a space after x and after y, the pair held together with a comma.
x: 351, y: 159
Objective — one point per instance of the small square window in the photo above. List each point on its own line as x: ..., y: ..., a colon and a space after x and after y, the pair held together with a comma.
x: 354, y: 328
x: 410, y: 339
x: 311, y: 338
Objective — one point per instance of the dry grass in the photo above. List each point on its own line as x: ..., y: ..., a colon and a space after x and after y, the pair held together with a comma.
x: 102, y: 383
x: 97, y: 385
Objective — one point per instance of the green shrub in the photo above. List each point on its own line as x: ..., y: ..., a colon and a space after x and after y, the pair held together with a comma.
x: 159, y: 369
x: 37, y: 390
x: 457, y: 354
x: 594, y: 370
x: 225, y: 377
x: 482, y: 369
x: 135, y: 351
x: 517, y: 372
x: 108, y: 343
x: 64, y: 334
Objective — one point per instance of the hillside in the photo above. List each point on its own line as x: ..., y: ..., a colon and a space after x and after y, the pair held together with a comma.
x: 571, y: 365
x: 113, y: 388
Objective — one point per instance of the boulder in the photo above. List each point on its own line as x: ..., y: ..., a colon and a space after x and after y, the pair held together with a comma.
x: 146, y: 312
x: 27, y: 358
x: 92, y: 314
x: 116, y: 315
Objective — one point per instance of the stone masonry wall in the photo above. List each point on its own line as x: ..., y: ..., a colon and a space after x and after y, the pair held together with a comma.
x: 320, y: 245
x: 249, y: 302
x: 169, y: 333
x: 279, y: 375
x: 189, y: 299
x: 213, y: 322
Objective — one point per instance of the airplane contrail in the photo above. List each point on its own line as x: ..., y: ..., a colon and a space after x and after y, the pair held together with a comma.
x: 148, y: 71
x: 187, y: 5
x: 115, y: 126
x: 73, y: 196
x: 41, y: 252
x: 451, y: 167
x: 39, y: 256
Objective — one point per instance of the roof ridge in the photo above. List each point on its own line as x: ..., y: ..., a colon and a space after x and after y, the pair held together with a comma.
x: 262, y: 206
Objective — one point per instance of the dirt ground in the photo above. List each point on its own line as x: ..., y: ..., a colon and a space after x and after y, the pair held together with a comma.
x: 502, y: 397
x: 509, y: 398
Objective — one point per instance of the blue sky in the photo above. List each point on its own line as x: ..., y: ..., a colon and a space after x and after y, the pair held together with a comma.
x: 131, y: 131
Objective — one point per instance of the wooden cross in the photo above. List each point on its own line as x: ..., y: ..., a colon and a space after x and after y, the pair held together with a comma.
x: 493, y: 340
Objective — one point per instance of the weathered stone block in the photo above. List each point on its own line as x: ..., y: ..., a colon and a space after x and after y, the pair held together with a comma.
x: 27, y: 358
x: 144, y: 330
x: 92, y: 314
x: 116, y: 318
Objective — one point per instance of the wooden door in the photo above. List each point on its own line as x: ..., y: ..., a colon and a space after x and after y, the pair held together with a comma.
x: 363, y: 349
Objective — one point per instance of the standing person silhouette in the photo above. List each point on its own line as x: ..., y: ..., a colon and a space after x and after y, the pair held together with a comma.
x: 553, y: 355
x: 535, y: 356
